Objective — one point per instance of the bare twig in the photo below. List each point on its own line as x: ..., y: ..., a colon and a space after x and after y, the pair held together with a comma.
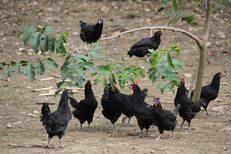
x: 192, y: 36
x: 83, y: 46
x: 109, y: 52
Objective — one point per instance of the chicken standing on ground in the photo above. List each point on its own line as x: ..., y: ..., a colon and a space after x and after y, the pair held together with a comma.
x: 164, y: 119
x: 141, y: 110
x: 140, y: 48
x: 210, y: 92
x: 91, y: 33
x: 188, y: 108
x: 126, y: 103
x: 85, y: 109
x: 56, y: 123
x: 110, y: 103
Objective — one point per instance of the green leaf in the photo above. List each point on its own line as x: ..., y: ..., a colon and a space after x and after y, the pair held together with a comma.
x: 120, y: 65
x: 23, y: 62
x: 177, y: 64
x: 27, y: 36
x: 58, y: 91
x: 44, y: 42
x: 97, y: 55
x: 169, y: 59
x: 29, y: 71
x: 64, y: 37
x: 60, y: 48
x: 112, y: 79
x: 52, y: 62
x: 97, y: 80
x: 189, y: 19
x: 104, y: 82
x: 156, y: 78
x: 8, y: 70
x: 171, y: 88
x: 65, y: 70
x: 88, y: 65
x: 49, y: 29
x: 51, y: 44
x: 40, y: 66
x: 22, y: 31
x: 104, y: 69
x: 1, y: 66
x: 163, y: 87
x: 78, y: 80
x: 97, y: 47
x: 69, y: 84
x: 152, y: 72
x: 36, y: 50
x: 17, y: 67
x: 59, y: 84
x: 179, y: 2
x: 113, y: 66
x: 174, y: 5
x: 68, y: 60
x: 35, y: 40
x: 83, y: 57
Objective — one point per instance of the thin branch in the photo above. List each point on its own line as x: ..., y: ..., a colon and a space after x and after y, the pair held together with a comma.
x: 192, y: 36
x: 107, y: 56
x: 83, y: 46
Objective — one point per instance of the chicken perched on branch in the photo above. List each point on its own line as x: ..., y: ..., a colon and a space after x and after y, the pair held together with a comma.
x: 210, y: 92
x: 56, y: 122
x: 85, y: 109
x: 110, y: 103
x: 164, y: 119
x: 140, y: 48
x: 91, y: 33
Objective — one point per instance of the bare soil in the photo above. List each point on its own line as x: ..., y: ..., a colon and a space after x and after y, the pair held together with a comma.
x: 21, y: 130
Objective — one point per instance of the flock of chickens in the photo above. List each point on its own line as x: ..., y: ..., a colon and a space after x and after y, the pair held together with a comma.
x: 115, y: 103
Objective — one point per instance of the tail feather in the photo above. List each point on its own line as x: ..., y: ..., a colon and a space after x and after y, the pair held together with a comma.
x: 144, y: 93
x: 177, y: 108
x: 45, y: 111
x: 130, y: 53
x: 81, y: 23
x: 203, y: 102
x: 73, y: 102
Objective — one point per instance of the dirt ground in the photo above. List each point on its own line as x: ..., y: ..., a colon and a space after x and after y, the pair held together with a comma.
x: 20, y: 128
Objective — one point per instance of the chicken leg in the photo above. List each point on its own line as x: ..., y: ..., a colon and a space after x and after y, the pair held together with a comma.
x: 48, y: 142
x: 60, y: 144
x: 181, y: 126
x: 114, y: 128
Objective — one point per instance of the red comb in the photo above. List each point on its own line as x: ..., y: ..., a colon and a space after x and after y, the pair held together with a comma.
x: 135, y: 83
x: 182, y: 77
x: 88, y: 81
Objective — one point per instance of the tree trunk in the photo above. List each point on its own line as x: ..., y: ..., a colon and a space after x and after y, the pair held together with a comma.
x: 203, y: 50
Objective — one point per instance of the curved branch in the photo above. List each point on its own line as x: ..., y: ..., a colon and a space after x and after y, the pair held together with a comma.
x: 192, y: 36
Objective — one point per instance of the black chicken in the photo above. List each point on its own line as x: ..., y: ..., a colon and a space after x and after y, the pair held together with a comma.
x: 164, y: 119
x: 56, y: 123
x: 85, y: 109
x: 141, y: 110
x: 110, y: 104
x: 188, y: 108
x: 140, y: 48
x: 126, y: 103
x: 210, y: 92
x: 91, y: 33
